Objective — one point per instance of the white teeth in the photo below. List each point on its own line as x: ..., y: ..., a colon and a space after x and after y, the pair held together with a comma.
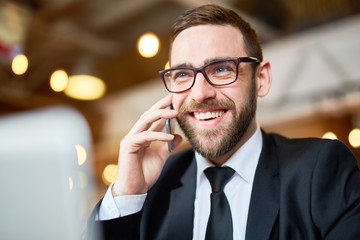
x: 208, y: 115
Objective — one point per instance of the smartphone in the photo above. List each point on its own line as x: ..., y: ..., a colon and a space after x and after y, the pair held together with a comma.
x: 168, y: 130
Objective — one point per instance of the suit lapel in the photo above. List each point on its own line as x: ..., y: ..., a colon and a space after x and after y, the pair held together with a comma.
x: 181, y: 209
x: 169, y: 207
x: 264, y: 203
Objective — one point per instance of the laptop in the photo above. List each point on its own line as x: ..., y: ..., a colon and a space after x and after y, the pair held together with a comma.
x: 46, y: 189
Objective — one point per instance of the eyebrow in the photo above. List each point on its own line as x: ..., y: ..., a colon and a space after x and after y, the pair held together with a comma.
x: 208, y: 60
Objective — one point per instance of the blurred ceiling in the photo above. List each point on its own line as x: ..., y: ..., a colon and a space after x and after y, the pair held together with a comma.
x: 101, y: 35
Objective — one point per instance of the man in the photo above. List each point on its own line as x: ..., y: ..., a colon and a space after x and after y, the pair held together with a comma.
x: 278, y: 188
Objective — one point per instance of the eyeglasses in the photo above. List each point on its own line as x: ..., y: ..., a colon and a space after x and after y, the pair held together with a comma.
x: 218, y: 73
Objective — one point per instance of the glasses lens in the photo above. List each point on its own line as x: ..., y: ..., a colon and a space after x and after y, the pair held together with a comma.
x: 223, y: 72
x: 178, y: 80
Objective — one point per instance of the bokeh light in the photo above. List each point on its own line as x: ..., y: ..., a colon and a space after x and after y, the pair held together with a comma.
x: 20, y: 64
x: 329, y: 135
x: 109, y: 174
x: 59, y: 80
x: 85, y: 87
x: 148, y: 45
x: 71, y: 184
x: 354, y: 138
x: 81, y: 154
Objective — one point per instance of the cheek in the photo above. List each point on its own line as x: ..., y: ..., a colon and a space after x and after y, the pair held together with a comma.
x: 237, y: 95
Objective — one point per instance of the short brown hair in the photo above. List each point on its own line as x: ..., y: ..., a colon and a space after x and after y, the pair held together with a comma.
x: 217, y: 15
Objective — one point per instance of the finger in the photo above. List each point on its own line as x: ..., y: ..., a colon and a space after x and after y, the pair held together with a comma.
x: 158, y: 125
x: 148, y: 118
x: 141, y: 140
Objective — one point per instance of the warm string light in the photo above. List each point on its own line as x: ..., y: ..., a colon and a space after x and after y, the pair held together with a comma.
x: 82, y: 87
x: 148, y: 45
x: 354, y: 138
x: 59, y: 80
x: 19, y: 64
x: 109, y: 174
x: 85, y: 87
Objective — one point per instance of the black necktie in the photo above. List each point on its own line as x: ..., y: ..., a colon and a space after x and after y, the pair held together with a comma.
x: 220, y: 221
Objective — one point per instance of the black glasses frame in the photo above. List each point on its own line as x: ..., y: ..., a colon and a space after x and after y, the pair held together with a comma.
x: 237, y: 61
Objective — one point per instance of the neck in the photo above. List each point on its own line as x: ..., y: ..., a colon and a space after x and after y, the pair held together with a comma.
x: 247, y: 135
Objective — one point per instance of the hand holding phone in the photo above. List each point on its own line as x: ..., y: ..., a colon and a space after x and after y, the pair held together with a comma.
x: 139, y: 162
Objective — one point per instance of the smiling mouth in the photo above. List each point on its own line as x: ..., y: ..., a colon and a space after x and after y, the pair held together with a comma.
x: 208, y: 115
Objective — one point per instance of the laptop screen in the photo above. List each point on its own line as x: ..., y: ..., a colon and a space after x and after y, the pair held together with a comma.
x: 45, y: 174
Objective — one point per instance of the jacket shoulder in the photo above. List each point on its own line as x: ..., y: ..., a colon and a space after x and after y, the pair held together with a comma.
x: 303, y: 145
x: 307, y: 153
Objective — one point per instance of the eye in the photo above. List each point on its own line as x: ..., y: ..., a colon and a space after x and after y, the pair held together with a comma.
x: 181, y: 74
x: 223, y: 68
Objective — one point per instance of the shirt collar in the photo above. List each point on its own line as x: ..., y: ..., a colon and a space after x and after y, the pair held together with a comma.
x: 243, y: 161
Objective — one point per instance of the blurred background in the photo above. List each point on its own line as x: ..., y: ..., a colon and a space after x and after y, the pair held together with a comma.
x: 86, y: 54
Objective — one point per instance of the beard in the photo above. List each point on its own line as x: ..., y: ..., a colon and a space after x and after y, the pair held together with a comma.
x: 214, y: 143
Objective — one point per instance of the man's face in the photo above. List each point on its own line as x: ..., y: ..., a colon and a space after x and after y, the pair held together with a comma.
x: 214, y: 119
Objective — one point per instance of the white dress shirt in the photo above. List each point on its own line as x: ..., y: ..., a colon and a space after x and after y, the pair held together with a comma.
x: 238, y: 191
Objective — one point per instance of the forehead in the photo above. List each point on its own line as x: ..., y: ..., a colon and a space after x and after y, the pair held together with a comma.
x: 195, y: 45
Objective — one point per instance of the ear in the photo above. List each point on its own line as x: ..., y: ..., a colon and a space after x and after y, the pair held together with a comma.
x: 263, y: 78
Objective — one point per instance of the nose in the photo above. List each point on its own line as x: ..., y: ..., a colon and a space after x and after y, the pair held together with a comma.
x: 202, y: 89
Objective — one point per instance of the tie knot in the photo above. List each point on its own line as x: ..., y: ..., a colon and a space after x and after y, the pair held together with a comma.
x: 218, y: 177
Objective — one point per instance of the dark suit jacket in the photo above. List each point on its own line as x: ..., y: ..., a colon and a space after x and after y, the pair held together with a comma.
x: 303, y: 189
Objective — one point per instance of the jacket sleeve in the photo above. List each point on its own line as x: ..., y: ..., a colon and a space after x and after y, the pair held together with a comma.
x: 127, y: 228
x: 336, y: 193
